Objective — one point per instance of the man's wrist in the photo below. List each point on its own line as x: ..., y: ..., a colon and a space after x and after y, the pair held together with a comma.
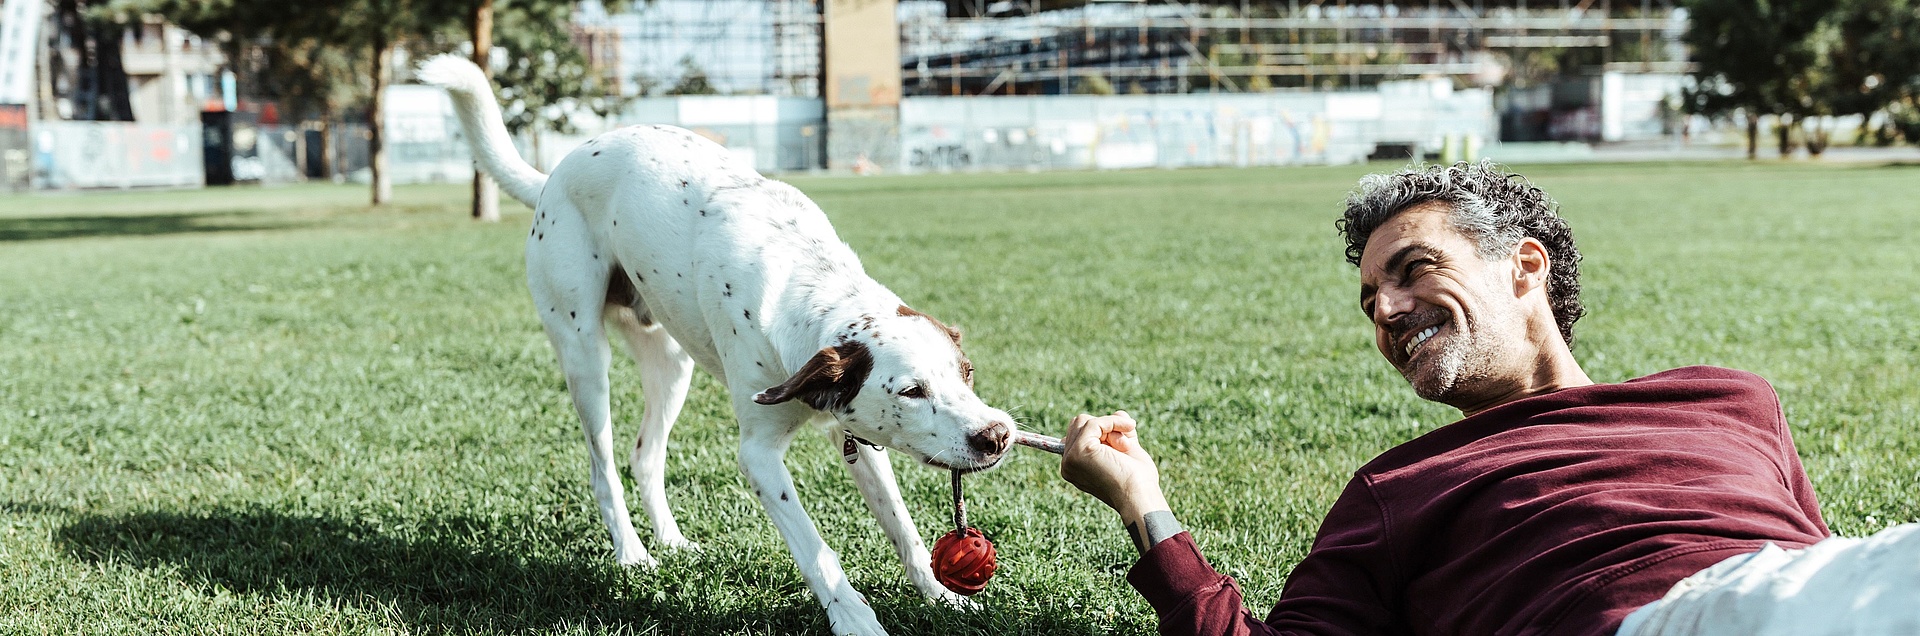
x: 1151, y: 528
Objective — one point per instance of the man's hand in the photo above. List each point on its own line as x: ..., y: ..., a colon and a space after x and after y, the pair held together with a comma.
x: 1104, y: 458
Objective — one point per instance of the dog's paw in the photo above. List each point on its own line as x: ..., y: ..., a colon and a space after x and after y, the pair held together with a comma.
x: 636, y: 558
x: 681, y: 544
x: 850, y: 615
x: 955, y: 602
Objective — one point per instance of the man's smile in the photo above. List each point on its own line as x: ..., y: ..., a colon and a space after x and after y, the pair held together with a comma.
x: 1421, y: 338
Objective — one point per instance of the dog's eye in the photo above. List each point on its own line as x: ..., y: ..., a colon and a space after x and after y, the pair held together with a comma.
x: 914, y: 391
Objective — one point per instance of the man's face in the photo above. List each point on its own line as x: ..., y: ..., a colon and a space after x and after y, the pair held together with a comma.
x: 1446, y: 318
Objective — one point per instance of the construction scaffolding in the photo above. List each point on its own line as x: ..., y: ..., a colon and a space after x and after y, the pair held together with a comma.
x: 738, y: 47
x: 956, y: 47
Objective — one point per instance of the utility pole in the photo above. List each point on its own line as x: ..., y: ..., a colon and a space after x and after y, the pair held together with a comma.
x: 486, y: 193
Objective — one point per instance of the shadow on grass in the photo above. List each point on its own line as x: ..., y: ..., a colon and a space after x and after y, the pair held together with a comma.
x: 443, y: 582
x: 59, y: 227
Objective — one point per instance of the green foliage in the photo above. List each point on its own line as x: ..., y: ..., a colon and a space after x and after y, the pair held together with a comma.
x: 1802, y: 59
x: 275, y: 411
x: 693, y: 80
x: 1753, y: 55
x: 546, y: 78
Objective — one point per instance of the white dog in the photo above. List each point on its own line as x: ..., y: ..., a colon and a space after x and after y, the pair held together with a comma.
x: 691, y: 258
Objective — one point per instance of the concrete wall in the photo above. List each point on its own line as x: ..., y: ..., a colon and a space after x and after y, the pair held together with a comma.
x: 93, y: 154
x: 1170, y: 131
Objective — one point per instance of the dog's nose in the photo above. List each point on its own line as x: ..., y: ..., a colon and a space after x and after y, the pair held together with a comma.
x: 991, y: 440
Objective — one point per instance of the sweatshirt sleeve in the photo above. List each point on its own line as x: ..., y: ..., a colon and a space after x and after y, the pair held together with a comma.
x: 1341, y: 587
x: 1189, y: 596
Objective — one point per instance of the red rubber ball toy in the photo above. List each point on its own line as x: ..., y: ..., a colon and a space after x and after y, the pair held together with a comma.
x: 964, y: 562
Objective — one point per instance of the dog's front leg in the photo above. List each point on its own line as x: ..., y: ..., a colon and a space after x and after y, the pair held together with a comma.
x: 765, y: 432
x: 873, y: 473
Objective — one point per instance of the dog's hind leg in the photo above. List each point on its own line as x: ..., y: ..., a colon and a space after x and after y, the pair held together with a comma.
x: 873, y: 473
x: 569, y: 284
x: 665, y: 373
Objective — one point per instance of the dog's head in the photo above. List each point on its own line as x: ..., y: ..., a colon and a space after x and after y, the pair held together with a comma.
x: 902, y: 382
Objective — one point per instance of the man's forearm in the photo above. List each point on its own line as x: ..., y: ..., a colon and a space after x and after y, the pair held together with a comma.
x: 1151, y: 528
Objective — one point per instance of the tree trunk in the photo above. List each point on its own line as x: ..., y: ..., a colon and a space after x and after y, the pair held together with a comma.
x: 534, y: 130
x: 1753, y: 136
x: 115, y: 98
x: 377, y: 121
x: 1783, y: 130
x: 326, y: 140
x: 1818, y: 136
x: 486, y: 193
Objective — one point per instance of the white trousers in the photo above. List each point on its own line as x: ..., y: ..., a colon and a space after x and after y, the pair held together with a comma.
x: 1837, y: 586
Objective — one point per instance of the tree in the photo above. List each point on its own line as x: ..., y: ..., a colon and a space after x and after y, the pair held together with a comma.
x: 1875, y: 58
x: 542, y: 67
x: 546, y: 79
x: 321, y: 57
x: 1754, y: 57
x: 486, y: 193
x: 100, y: 91
x: 362, y: 31
x: 693, y: 80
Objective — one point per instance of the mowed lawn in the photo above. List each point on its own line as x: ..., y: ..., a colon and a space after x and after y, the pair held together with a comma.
x: 264, y: 411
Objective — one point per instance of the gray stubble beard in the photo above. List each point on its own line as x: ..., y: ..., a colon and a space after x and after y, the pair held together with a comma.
x: 1465, y: 357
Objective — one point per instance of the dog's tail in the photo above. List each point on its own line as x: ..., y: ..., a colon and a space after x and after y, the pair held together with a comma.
x: 480, y: 118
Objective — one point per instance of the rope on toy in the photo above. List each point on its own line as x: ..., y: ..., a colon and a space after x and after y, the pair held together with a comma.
x: 963, y: 559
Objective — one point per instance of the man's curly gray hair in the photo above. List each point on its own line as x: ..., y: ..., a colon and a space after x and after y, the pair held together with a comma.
x: 1490, y: 206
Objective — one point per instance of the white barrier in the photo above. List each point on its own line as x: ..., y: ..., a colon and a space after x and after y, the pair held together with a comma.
x: 1170, y: 131
x: 101, y: 154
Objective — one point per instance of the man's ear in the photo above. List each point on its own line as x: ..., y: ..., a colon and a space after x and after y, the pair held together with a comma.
x: 827, y: 382
x: 1531, y: 266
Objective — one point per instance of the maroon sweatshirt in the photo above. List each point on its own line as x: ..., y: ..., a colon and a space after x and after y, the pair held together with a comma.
x: 1556, y: 514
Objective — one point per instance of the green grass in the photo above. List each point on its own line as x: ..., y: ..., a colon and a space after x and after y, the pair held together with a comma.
x: 261, y: 411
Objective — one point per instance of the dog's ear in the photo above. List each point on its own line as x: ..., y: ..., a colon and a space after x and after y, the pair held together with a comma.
x: 950, y: 331
x: 827, y: 382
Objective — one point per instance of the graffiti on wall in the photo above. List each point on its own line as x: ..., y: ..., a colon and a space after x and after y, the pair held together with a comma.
x: 91, y: 154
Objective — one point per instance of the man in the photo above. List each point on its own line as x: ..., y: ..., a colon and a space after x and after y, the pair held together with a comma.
x: 1555, y: 505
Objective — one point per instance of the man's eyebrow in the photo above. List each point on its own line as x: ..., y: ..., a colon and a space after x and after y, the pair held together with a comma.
x: 1393, y: 264
x: 1399, y: 258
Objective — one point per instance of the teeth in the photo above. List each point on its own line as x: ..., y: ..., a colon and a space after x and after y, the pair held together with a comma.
x: 1421, y: 337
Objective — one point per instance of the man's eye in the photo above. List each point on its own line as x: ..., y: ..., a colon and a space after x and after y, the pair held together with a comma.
x: 914, y: 391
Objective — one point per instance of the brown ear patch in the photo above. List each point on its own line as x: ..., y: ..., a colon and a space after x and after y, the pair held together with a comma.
x: 827, y: 382
x: 966, y: 366
x: 950, y: 331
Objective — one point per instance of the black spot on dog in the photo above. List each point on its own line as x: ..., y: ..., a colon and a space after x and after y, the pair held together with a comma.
x: 596, y: 153
x: 572, y: 315
x: 783, y: 495
x: 748, y: 313
x: 757, y: 364
x: 541, y: 237
x: 703, y: 213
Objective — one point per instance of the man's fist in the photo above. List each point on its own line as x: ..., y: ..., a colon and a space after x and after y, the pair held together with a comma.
x: 1105, y: 459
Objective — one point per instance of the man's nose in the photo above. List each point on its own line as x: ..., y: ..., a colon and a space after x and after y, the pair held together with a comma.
x: 991, y: 440
x: 1390, y: 305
